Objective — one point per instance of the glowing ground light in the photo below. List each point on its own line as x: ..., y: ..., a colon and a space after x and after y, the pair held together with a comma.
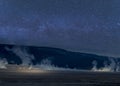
x: 102, y: 70
x: 30, y: 71
x: 25, y: 69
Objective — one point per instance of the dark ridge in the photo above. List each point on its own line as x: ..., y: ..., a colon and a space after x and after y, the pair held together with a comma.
x: 59, y: 57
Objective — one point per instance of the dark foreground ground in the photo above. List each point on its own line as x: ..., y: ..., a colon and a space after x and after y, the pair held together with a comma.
x: 59, y: 79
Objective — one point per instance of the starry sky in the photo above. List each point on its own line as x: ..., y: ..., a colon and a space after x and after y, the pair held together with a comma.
x: 91, y: 26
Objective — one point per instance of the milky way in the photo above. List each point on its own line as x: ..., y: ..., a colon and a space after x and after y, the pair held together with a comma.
x: 77, y: 25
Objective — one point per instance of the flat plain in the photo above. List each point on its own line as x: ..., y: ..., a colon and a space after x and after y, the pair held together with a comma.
x: 60, y: 78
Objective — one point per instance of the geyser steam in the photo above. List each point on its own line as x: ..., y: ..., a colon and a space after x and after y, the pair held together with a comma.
x: 46, y: 64
x: 3, y: 63
x: 112, y: 67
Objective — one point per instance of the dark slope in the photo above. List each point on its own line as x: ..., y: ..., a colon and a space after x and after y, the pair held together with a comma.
x: 59, y: 57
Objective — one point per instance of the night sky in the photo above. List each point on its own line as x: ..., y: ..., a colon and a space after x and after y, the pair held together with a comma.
x: 91, y: 26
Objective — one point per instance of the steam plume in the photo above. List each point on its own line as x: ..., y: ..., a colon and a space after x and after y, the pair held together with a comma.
x: 46, y: 64
x: 22, y: 53
x: 3, y: 63
x: 112, y: 67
